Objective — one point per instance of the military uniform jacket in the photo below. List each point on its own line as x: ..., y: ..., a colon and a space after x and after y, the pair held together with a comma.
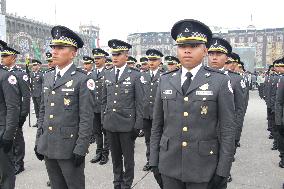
x: 98, y: 78
x: 239, y: 89
x: 279, y: 102
x: 23, y: 80
x: 66, y: 115
x: 122, y: 101
x: 150, y: 89
x: 9, y: 104
x: 273, y: 91
x: 36, y: 83
x: 193, y: 134
x: 269, y: 88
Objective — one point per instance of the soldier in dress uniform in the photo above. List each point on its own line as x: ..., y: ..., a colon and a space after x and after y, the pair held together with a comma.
x: 108, y: 63
x: 172, y: 63
x: 131, y: 61
x: 66, y: 118
x: 218, y: 56
x: 36, y: 86
x: 9, y: 57
x: 144, y: 64
x: 122, y: 110
x: 98, y: 74
x: 10, y: 99
x: 51, y: 66
x: 192, y: 138
x: 88, y: 64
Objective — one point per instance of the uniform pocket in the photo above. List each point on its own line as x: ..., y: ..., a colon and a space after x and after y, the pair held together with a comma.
x: 208, y: 148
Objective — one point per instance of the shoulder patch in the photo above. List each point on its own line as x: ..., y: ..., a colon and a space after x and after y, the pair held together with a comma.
x: 135, y: 69
x: 165, y: 73
x: 233, y: 72
x: 25, y: 77
x: 12, y: 80
x: 80, y: 70
x: 91, y: 84
x: 214, y: 70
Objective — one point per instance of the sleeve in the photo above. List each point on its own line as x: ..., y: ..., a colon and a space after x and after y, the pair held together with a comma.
x: 25, y: 90
x: 157, y: 128
x: 12, y: 98
x: 40, y: 120
x: 279, y: 102
x: 227, y: 129
x: 139, y: 94
x: 104, y: 101
x: 86, y: 114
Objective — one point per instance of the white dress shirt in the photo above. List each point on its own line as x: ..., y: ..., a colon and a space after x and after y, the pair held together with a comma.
x: 120, y: 70
x: 192, y: 71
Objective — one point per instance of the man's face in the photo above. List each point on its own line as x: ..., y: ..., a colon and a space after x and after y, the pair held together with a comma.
x: 35, y: 67
x: 8, y: 60
x: 217, y: 60
x: 231, y: 66
x: 88, y: 67
x: 280, y: 69
x: 191, y: 55
x: 119, y: 59
x: 154, y: 63
x: 172, y: 67
x: 238, y: 69
x: 145, y: 67
x: 62, y: 55
x: 132, y: 65
x: 100, y: 62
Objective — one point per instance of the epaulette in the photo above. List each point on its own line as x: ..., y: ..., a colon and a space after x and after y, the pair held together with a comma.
x: 134, y: 69
x: 214, y: 70
x: 50, y: 69
x: 165, y: 73
x: 233, y: 72
x: 81, y: 70
x: 108, y: 68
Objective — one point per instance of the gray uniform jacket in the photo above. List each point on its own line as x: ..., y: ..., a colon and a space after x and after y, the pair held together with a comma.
x: 23, y: 80
x: 122, y: 101
x: 150, y: 90
x: 66, y: 115
x: 9, y: 104
x: 36, y: 83
x: 193, y: 134
x: 279, y: 102
x: 99, y: 87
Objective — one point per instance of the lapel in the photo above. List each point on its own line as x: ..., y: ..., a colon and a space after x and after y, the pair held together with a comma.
x: 101, y: 74
x: 200, y: 79
x: 95, y: 75
x: 175, y: 81
x: 157, y: 76
x: 66, y: 77
x: 148, y: 76
x: 124, y: 74
x: 112, y: 75
x: 50, y: 80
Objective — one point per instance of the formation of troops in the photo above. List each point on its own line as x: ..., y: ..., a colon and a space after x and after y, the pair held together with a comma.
x: 191, y: 115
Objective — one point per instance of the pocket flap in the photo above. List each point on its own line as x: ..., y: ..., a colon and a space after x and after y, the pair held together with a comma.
x: 208, y: 148
x: 68, y: 132
x: 164, y: 143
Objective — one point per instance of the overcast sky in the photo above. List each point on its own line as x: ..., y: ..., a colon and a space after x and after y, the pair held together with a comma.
x: 118, y: 18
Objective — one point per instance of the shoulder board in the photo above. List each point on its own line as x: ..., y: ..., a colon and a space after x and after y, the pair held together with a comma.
x: 49, y: 70
x: 165, y: 73
x: 80, y: 70
x: 135, y: 69
x: 214, y: 70
x: 233, y: 72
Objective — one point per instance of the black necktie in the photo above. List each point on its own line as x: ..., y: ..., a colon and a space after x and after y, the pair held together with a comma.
x: 152, y: 76
x: 98, y: 72
x: 117, y: 75
x: 186, y: 83
x: 58, y: 76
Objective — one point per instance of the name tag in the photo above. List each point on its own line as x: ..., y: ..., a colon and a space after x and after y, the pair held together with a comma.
x: 45, y: 88
x: 126, y: 83
x: 167, y: 92
x: 204, y: 93
x: 67, y: 90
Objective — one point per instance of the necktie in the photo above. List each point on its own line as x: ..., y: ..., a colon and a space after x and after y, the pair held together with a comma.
x: 58, y: 76
x: 98, y: 72
x: 152, y: 76
x: 117, y: 75
x: 186, y: 83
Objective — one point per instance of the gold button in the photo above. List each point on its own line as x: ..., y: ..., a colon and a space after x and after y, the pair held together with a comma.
x: 184, y: 129
x: 52, y: 104
x: 204, y: 99
x: 50, y: 116
x: 186, y: 99
x: 53, y: 92
x: 151, y: 89
x: 151, y: 102
x: 114, y: 102
x: 115, y: 94
x: 116, y: 86
x: 211, y: 152
x: 71, y: 135
x: 67, y: 94
x: 185, y: 114
x: 97, y: 86
x: 184, y: 144
x: 50, y: 128
x: 152, y: 83
x: 150, y: 96
x: 114, y: 110
x: 97, y: 98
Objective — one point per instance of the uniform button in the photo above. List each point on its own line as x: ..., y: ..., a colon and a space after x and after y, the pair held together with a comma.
x: 50, y: 128
x: 204, y: 99
x: 184, y: 144
x: 186, y: 99
x: 184, y: 129
x: 97, y: 98
x: 53, y: 92
x: 114, y: 102
x: 97, y: 86
x: 185, y: 114
x: 71, y: 135
x: 151, y: 89
x: 116, y: 86
x: 151, y: 102
x: 115, y: 94
x: 50, y: 116
x: 211, y: 152
x: 152, y: 83
x: 114, y: 110
x: 150, y: 96
x: 52, y: 104
x: 97, y: 92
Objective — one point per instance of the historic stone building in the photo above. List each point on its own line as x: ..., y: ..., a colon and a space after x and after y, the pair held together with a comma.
x: 32, y: 38
x: 257, y: 48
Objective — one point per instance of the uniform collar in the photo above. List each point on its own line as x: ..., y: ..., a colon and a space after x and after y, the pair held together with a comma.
x: 193, y: 71
x: 64, y: 70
